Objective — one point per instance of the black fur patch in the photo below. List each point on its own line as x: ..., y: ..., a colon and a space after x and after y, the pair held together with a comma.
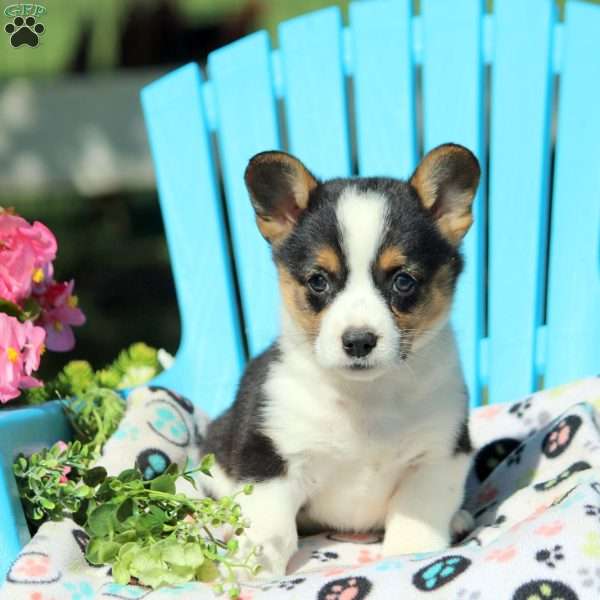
x: 242, y: 450
x: 463, y: 441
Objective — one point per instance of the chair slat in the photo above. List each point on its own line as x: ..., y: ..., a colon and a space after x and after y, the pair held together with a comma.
x: 210, y: 356
x: 314, y: 92
x: 573, y: 331
x: 247, y: 124
x: 518, y: 206
x: 453, y: 109
x: 384, y: 90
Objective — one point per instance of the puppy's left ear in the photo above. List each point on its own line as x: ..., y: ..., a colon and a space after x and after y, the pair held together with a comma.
x: 279, y: 186
x: 446, y: 181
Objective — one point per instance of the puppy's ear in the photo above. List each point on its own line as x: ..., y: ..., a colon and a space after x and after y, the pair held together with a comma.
x: 446, y: 181
x: 279, y: 186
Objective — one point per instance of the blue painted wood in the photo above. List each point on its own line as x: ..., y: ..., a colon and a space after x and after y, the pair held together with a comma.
x: 246, y: 124
x: 453, y: 112
x: 314, y: 92
x: 573, y: 331
x: 384, y: 87
x: 25, y: 430
x: 210, y: 357
x: 518, y: 201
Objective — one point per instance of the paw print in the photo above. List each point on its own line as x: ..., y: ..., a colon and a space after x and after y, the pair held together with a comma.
x: 591, y: 547
x: 577, y: 467
x: 550, y: 556
x: 558, y: 439
x: 502, y: 555
x: 170, y: 425
x: 350, y: 588
x: 464, y: 594
x: 24, y: 31
x: 80, y: 591
x: 591, y: 510
x: 515, y: 457
x: 126, y: 431
x: 288, y: 585
x: 323, y: 556
x: 590, y: 579
x: 520, y: 408
x: 546, y: 589
x: 492, y: 454
x: 440, y: 572
x: 550, y: 529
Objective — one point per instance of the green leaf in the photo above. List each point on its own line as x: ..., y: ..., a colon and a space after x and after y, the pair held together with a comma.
x: 130, y: 475
x: 46, y: 503
x: 31, y: 309
x: 101, y: 552
x: 207, y: 464
x: 207, y: 571
x: 10, y: 308
x: 163, y: 483
x: 125, y: 510
x: 102, y: 520
x: 94, y: 476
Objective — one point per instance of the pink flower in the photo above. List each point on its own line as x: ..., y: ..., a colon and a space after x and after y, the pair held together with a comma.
x: 59, y: 313
x: 63, y: 478
x: 25, y: 251
x: 62, y: 446
x: 21, y: 345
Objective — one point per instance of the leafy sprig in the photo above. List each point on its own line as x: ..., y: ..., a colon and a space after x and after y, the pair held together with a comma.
x: 147, y: 531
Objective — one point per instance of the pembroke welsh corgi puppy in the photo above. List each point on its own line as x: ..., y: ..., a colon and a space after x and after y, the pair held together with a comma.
x: 355, y: 419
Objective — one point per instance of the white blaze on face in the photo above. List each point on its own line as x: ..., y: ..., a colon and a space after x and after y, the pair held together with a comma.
x: 361, y: 218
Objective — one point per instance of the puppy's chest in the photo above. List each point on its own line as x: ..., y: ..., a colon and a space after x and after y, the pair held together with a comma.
x: 351, y: 472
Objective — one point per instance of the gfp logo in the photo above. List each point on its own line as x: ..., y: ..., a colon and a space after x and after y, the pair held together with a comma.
x: 24, y: 28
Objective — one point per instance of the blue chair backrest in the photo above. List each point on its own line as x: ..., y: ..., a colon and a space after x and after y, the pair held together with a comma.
x: 516, y: 86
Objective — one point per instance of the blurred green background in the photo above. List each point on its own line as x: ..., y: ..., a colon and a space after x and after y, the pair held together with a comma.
x: 73, y: 152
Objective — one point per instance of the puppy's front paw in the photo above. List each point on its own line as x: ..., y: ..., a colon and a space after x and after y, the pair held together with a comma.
x: 272, y: 558
x: 414, y: 540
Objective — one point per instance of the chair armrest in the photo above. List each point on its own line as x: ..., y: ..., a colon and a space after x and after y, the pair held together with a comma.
x: 23, y: 430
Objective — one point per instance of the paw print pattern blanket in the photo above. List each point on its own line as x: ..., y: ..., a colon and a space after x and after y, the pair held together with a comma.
x: 534, y: 492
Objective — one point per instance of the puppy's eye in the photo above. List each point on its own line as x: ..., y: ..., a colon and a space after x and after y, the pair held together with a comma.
x: 318, y: 283
x: 403, y: 283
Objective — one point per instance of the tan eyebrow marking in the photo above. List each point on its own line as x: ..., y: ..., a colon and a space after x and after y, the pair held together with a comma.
x: 327, y: 258
x: 391, y: 258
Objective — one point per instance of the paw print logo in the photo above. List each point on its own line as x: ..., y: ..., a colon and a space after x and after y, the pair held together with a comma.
x: 557, y: 440
x: 550, y: 556
x: 592, y: 511
x: 349, y: 588
x: 24, y: 31
x: 288, y: 584
x: 590, y: 579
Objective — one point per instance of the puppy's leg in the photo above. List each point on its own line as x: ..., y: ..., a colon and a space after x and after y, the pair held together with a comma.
x: 421, y: 509
x: 271, y: 510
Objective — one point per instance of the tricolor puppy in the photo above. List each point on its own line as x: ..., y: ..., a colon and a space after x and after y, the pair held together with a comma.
x: 355, y: 419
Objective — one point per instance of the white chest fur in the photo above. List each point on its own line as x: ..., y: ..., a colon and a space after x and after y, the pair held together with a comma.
x: 348, y: 444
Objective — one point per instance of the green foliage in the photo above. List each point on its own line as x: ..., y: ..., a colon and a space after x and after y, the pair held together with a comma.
x: 148, y: 532
x: 51, y: 482
x: 134, y: 366
x: 144, y: 529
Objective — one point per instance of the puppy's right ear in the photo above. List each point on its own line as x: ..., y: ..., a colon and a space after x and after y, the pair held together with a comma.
x: 279, y: 186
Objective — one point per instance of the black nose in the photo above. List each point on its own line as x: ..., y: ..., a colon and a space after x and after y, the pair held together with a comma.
x: 358, y: 342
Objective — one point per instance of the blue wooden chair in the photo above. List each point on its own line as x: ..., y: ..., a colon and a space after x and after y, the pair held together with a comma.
x: 516, y: 86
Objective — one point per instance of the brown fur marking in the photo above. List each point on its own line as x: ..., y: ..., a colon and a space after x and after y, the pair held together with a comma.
x: 327, y: 258
x: 293, y: 294
x: 391, y: 258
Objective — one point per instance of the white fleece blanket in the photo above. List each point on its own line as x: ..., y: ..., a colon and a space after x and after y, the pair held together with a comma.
x: 534, y: 491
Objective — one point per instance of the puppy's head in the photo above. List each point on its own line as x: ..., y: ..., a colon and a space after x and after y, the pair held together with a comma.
x: 367, y: 266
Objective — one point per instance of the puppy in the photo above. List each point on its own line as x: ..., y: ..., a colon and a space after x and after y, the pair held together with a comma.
x: 355, y: 419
